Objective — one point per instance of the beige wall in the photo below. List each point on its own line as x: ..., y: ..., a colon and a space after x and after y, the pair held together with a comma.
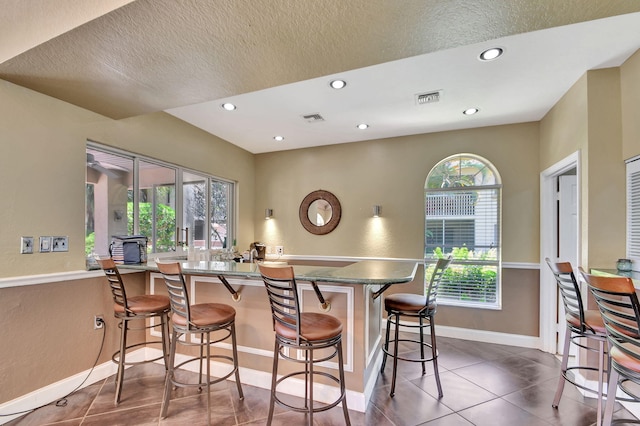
x: 605, y: 214
x: 47, y: 332
x: 588, y: 119
x: 42, y: 169
x: 392, y: 173
x: 630, y: 101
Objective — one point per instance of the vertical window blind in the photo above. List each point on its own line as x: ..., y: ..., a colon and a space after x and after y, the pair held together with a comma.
x: 633, y: 212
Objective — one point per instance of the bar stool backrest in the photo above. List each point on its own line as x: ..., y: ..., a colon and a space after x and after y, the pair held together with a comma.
x: 570, y: 292
x: 431, y: 293
x: 115, y: 282
x: 618, y: 303
x: 282, y: 290
x: 177, y: 289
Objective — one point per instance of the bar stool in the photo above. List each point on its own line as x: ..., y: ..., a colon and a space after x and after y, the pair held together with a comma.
x: 418, y: 306
x: 618, y: 304
x: 135, y: 308
x: 199, y: 320
x: 580, y: 323
x: 301, y: 331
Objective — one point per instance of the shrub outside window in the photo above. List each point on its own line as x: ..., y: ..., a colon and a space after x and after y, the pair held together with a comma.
x: 462, y: 219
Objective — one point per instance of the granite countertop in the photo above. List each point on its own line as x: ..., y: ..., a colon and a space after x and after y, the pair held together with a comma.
x: 372, y: 272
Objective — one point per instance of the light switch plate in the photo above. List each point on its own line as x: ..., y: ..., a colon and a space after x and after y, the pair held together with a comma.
x: 26, y: 245
x: 45, y: 244
x: 59, y: 244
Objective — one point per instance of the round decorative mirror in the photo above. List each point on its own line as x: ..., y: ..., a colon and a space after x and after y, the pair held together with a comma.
x: 320, y: 212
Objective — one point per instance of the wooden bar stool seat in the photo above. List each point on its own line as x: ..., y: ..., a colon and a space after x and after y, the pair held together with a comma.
x: 135, y: 309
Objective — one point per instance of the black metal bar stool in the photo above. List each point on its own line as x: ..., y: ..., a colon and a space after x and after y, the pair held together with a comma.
x: 135, y: 308
x: 422, y: 307
x: 301, y: 331
x: 201, y: 320
x: 580, y: 324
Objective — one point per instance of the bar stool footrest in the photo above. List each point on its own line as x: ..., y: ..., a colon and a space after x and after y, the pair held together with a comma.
x: 324, y: 407
x: 424, y: 344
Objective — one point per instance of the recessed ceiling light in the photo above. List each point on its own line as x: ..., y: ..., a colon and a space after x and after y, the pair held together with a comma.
x: 491, y: 54
x: 338, y: 84
x: 470, y: 111
x: 362, y: 126
x: 228, y: 106
x: 278, y: 138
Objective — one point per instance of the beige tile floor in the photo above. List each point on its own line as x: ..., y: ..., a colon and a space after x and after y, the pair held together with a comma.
x: 484, y: 384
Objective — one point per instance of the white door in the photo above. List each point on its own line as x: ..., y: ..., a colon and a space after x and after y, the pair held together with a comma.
x: 567, y: 239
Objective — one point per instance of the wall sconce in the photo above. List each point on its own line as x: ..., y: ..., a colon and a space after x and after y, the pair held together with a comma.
x: 268, y: 213
x: 376, y: 211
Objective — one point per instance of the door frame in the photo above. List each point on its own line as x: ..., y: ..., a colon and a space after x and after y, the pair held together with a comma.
x: 548, y: 237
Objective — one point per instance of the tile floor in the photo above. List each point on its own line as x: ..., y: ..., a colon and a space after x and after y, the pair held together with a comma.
x: 483, y: 384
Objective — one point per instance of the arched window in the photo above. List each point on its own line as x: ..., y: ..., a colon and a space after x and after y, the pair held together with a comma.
x: 462, y: 205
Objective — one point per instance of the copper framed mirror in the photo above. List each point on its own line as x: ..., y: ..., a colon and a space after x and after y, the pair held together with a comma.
x: 320, y: 212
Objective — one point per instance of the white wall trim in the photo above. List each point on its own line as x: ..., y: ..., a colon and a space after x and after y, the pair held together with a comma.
x: 548, y: 288
x: 57, y: 277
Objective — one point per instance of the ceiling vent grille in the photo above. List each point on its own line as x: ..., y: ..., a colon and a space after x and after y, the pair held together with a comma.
x: 428, y: 98
x: 313, y: 118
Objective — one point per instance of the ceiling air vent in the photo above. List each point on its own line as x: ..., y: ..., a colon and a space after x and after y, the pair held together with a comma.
x: 313, y: 118
x: 428, y: 98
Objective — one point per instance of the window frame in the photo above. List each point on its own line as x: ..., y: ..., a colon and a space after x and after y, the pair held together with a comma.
x: 465, y: 213
x: 179, y: 196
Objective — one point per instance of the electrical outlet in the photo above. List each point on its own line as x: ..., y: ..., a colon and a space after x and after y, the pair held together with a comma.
x: 60, y: 244
x: 98, y: 322
x: 279, y: 250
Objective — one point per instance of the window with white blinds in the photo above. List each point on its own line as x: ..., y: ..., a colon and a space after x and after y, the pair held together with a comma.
x: 633, y: 212
x: 462, y: 219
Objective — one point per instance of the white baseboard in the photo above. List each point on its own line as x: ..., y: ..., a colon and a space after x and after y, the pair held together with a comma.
x: 478, y: 335
x: 60, y: 389
x: 357, y: 401
x: 323, y: 393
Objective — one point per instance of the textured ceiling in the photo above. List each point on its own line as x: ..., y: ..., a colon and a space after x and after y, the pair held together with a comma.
x: 154, y: 55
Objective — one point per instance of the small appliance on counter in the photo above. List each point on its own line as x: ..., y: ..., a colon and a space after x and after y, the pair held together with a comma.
x: 260, y: 248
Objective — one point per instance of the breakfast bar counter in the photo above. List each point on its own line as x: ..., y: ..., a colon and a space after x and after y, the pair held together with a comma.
x: 347, y: 292
x: 366, y: 272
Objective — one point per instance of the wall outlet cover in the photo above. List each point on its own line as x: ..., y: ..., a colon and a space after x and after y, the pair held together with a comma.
x: 26, y: 245
x: 60, y: 244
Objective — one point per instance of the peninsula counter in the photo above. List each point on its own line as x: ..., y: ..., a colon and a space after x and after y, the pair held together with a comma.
x: 348, y: 292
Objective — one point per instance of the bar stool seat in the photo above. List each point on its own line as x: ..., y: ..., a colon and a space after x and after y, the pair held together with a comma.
x: 313, y: 326
x: 200, y: 321
x: 130, y: 309
x: 407, y: 302
x: 317, y: 335
x: 420, y: 306
x: 206, y: 314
